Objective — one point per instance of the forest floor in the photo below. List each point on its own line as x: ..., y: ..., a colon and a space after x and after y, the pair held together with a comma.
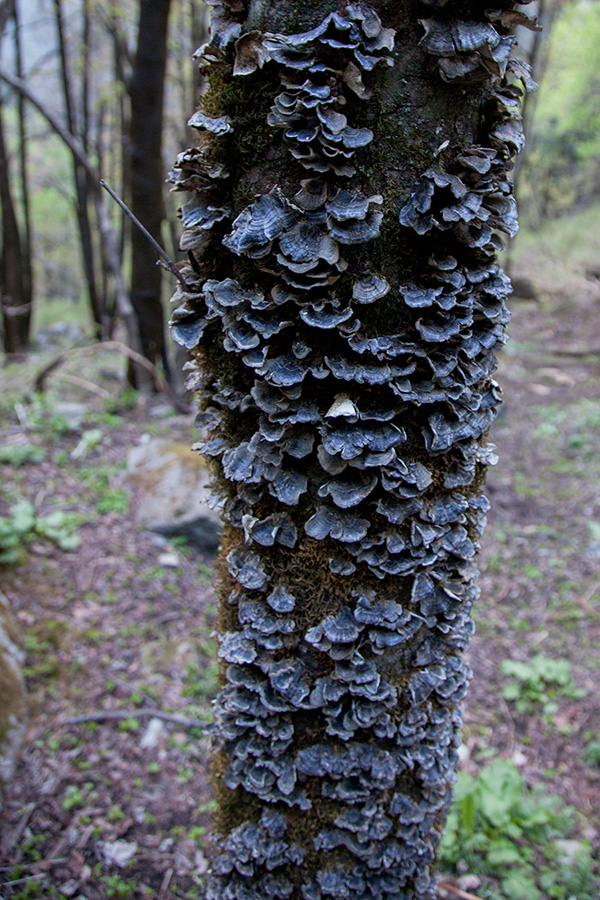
x: 120, y: 807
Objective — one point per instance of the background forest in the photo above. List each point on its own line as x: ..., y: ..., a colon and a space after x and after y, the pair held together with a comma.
x: 111, y: 796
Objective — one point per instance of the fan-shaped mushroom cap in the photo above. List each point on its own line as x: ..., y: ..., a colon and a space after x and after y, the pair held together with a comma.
x: 342, y: 526
x: 219, y: 125
x: 346, y: 494
x: 369, y: 289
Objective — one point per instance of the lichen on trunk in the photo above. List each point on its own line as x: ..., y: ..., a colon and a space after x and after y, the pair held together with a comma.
x: 348, y: 191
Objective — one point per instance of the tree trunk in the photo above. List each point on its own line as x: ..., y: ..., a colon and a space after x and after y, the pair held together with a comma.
x: 146, y: 90
x: 14, y: 296
x: 80, y: 180
x: 27, y: 258
x: 15, y: 267
x: 347, y: 193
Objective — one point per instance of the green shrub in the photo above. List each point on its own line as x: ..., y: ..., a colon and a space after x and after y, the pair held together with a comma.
x: 22, y: 526
x: 499, y: 828
x: 541, y: 681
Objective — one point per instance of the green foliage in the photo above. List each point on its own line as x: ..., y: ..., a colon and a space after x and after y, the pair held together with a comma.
x: 20, y: 454
x: 131, y: 723
x: 500, y: 829
x: 22, y: 526
x: 540, y: 681
x: 115, y: 813
x: 592, y: 754
x: 27, y: 891
x: 125, y: 402
x: 115, y: 886
x: 562, y: 166
x: 114, y: 501
x: 90, y: 439
x: 108, y: 499
x: 76, y: 795
x: 50, y: 423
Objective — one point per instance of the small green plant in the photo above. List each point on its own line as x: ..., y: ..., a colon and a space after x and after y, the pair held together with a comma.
x: 131, y: 723
x: 498, y: 828
x: 115, y: 886
x: 184, y: 774
x: 32, y: 848
x: 153, y: 573
x: 108, y: 499
x: 20, y: 454
x: 115, y: 813
x: 107, y: 418
x: 22, y: 526
x: 181, y: 543
x: 592, y: 754
x: 76, y: 795
x: 114, y: 501
x: 210, y: 807
x: 197, y: 834
x: 50, y: 423
x: 540, y: 681
x: 89, y: 440
x: 125, y: 402
x: 27, y: 890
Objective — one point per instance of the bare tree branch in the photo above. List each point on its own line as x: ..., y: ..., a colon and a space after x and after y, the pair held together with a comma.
x: 170, y: 265
x: 107, y: 714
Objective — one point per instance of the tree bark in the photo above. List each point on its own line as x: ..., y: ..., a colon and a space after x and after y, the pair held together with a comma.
x: 146, y: 90
x: 347, y: 196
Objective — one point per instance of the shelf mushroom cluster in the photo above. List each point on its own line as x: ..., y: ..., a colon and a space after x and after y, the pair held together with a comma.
x: 252, y: 855
x: 366, y: 445
x: 469, y: 49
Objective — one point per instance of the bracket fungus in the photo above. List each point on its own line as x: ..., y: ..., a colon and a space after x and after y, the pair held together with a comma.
x: 343, y: 307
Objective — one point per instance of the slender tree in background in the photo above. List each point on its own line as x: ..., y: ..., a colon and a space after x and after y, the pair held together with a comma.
x: 27, y: 266
x: 80, y: 181
x: 15, y: 265
x: 536, y: 56
x: 146, y: 91
x: 347, y: 195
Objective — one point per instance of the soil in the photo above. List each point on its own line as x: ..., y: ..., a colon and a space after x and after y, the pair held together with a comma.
x: 120, y: 807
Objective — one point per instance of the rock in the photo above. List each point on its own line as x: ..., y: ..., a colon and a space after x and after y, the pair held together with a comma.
x: 568, y: 851
x: 169, y: 560
x: 172, y: 483
x: 160, y: 410
x: 524, y: 288
x: 72, y: 412
x: 166, y: 845
x: 151, y: 736
x: 13, y: 701
x: 519, y: 758
x: 59, y: 334
x: 118, y: 853
x: 200, y: 863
